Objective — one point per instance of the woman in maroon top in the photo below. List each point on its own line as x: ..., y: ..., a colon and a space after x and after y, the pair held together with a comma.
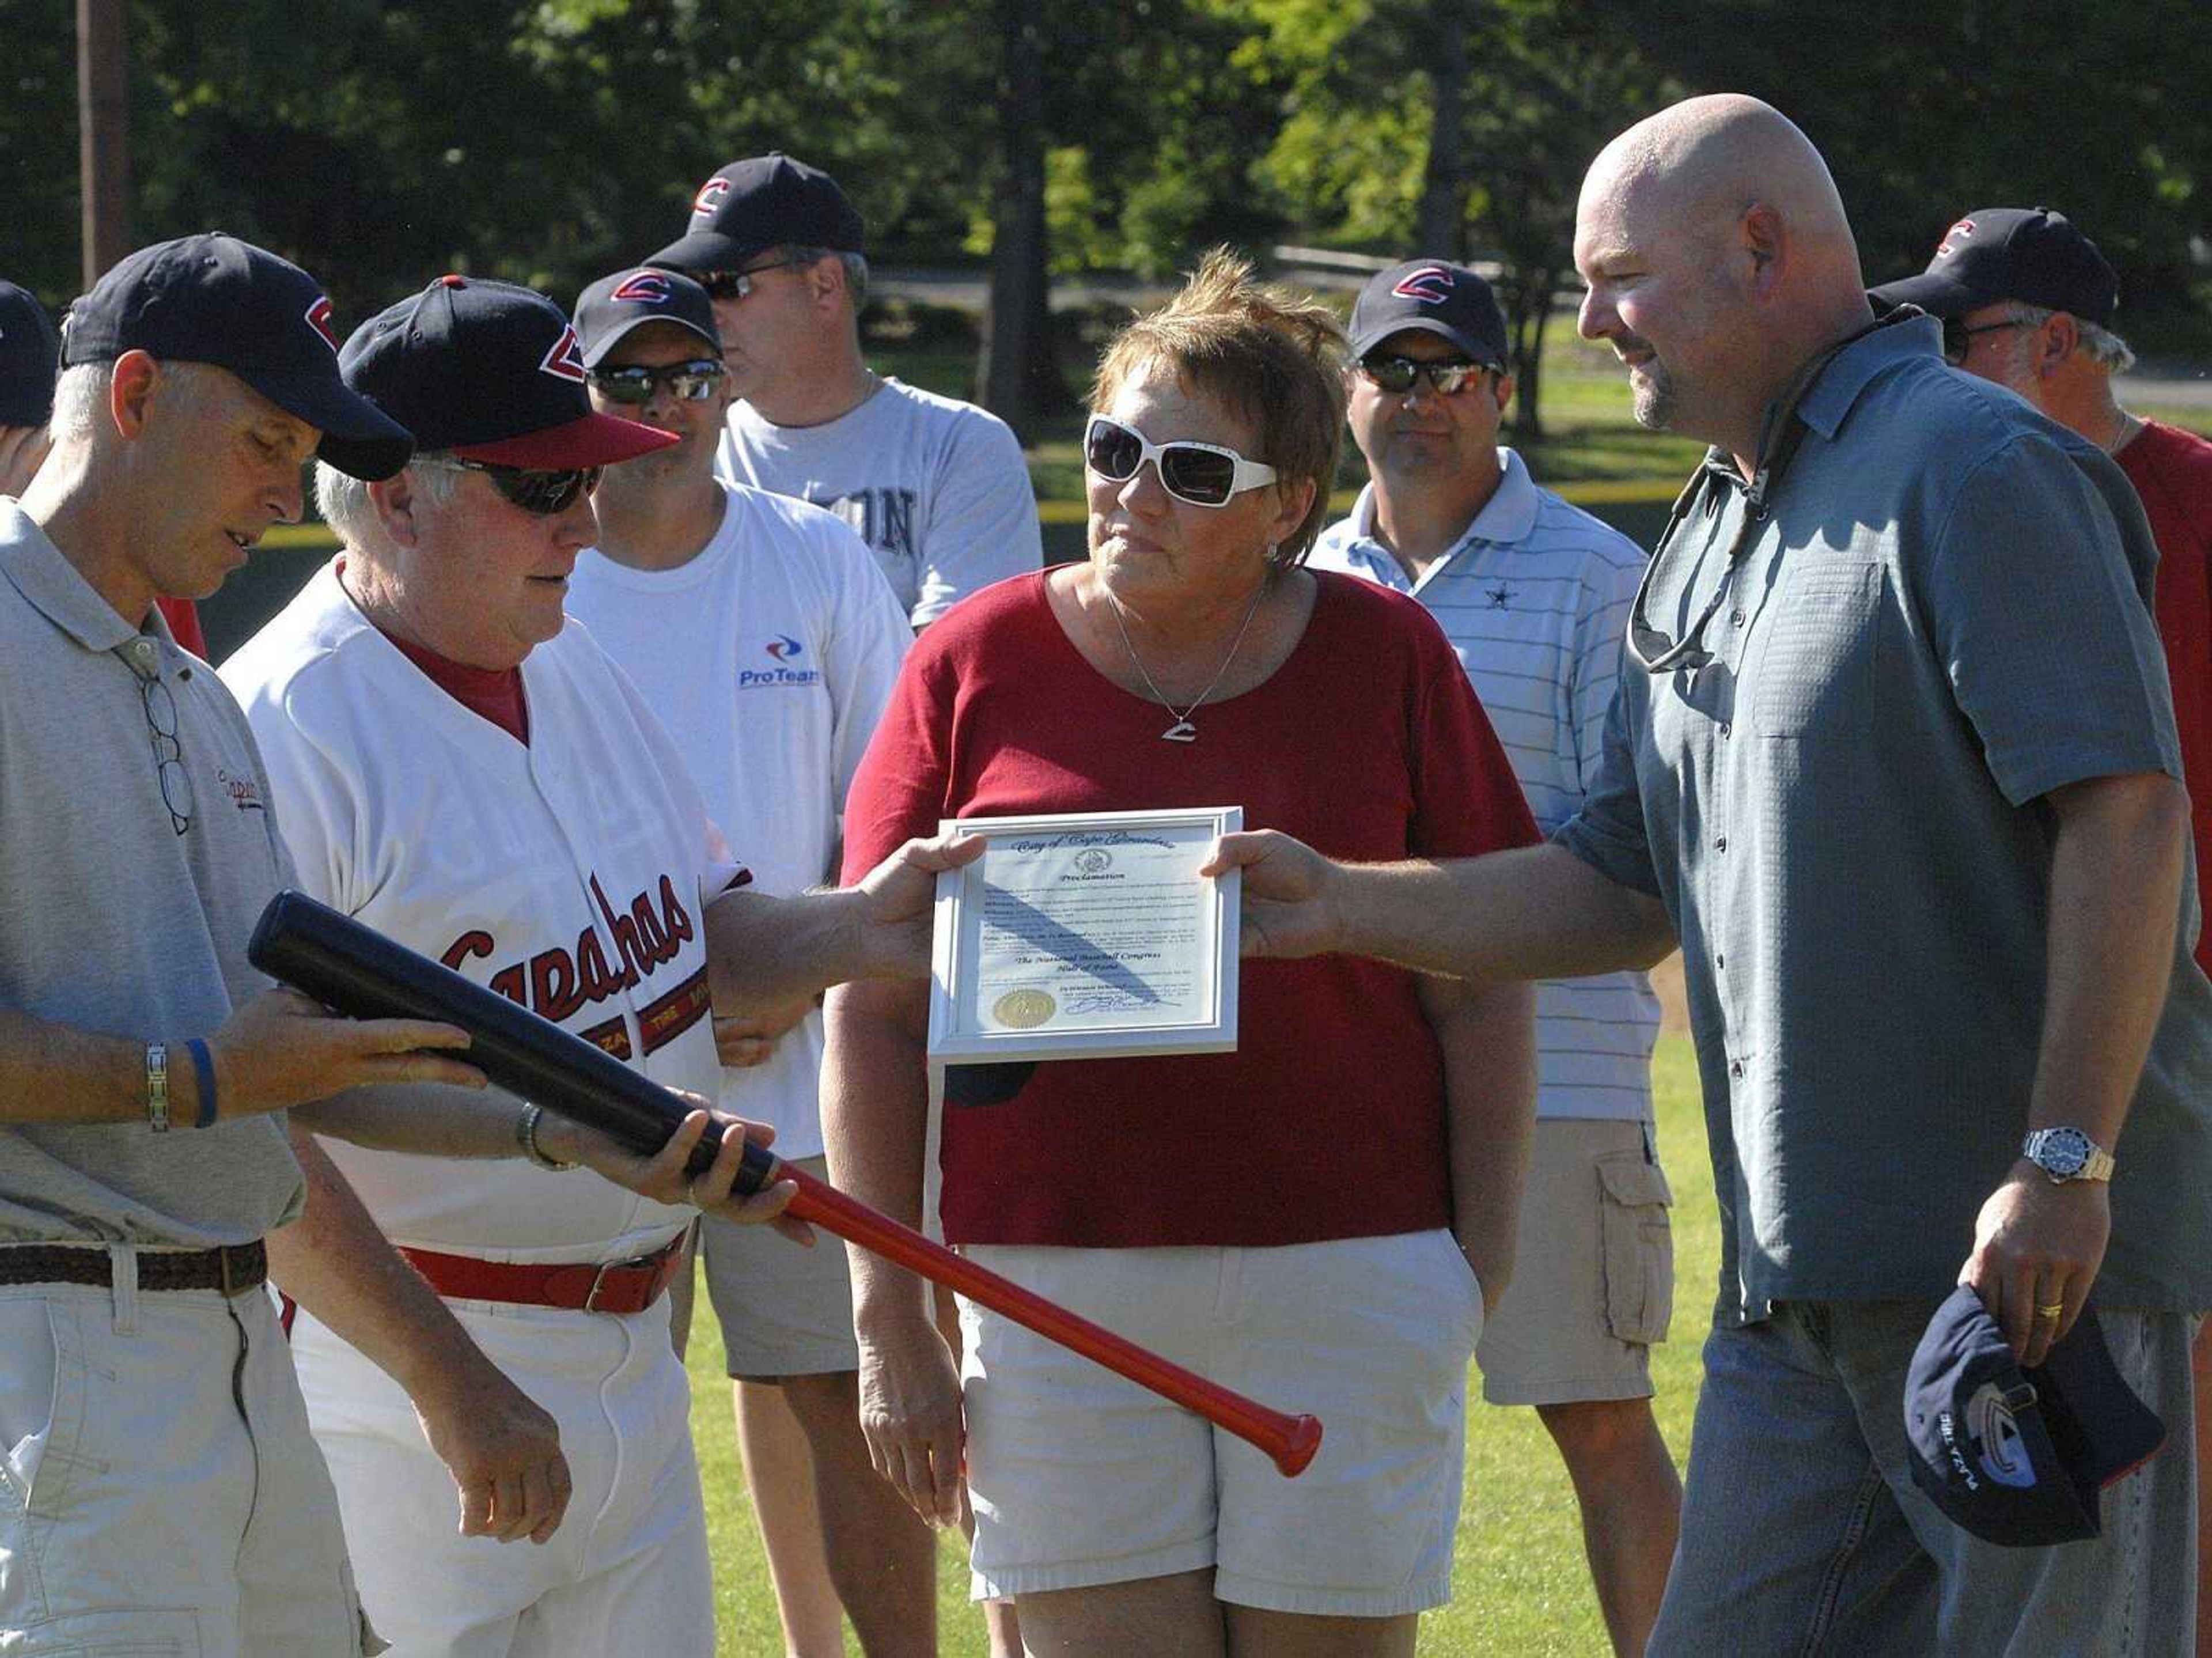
x: 1318, y: 1217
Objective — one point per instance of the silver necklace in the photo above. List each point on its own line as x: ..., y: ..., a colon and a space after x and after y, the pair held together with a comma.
x: 1182, y: 730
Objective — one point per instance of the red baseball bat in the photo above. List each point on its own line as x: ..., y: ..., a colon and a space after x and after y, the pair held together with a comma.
x: 358, y: 971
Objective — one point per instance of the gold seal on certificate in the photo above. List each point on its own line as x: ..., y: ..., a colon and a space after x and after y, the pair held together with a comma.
x: 1078, y: 936
x: 1023, y: 1009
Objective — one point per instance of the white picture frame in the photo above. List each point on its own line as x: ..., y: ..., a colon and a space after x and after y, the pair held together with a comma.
x: 1087, y: 935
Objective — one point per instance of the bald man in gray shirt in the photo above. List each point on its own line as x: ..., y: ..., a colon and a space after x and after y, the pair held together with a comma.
x: 1893, y: 759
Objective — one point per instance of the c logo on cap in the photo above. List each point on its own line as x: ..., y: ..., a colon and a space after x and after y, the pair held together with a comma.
x: 1964, y: 228
x: 709, y: 197
x: 1431, y: 284
x: 645, y: 287
x: 318, y: 318
x: 564, y: 362
x: 2003, y: 1456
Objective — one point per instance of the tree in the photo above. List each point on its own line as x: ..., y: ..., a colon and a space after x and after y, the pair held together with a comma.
x: 1489, y: 115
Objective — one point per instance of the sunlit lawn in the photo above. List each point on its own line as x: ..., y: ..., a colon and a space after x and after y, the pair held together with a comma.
x: 1522, y: 1590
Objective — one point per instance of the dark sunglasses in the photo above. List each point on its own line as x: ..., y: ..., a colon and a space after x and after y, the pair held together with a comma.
x: 1203, y: 474
x: 693, y: 382
x: 1959, y: 339
x: 1396, y: 376
x: 736, y: 284
x: 541, y: 494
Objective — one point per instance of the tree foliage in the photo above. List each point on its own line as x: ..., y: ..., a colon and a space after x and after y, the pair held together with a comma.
x: 549, y: 140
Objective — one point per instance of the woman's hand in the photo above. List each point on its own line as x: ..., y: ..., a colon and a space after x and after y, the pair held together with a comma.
x: 910, y: 1416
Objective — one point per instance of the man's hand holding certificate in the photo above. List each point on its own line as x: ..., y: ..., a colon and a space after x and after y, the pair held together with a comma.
x: 1075, y: 937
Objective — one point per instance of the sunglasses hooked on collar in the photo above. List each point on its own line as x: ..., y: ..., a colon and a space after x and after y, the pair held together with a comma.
x: 1398, y: 376
x: 1653, y: 649
x: 1203, y: 474
x: 542, y: 493
x: 691, y: 382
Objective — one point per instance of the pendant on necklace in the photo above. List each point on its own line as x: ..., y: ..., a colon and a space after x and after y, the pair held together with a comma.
x: 1181, y: 731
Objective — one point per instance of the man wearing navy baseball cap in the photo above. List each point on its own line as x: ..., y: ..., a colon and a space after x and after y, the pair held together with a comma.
x: 30, y: 358
x: 2028, y: 301
x: 463, y: 772
x: 1532, y: 592
x: 167, y: 1494
x: 937, y: 487
x: 761, y: 630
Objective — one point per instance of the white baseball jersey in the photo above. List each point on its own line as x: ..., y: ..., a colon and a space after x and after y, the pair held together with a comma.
x: 937, y: 487
x: 571, y: 876
x: 1534, y: 598
x: 768, y: 656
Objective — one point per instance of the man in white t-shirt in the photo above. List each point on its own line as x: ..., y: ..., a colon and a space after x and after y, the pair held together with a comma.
x: 469, y: 775
x: 937, y: 487
x: 1534, y: 595
x: 764, y: 636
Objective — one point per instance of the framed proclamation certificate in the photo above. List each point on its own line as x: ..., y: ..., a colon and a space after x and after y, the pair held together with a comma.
x: 1080, y: 936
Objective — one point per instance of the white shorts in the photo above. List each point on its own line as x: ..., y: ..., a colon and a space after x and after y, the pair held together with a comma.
x: 1593, y: 1271
x: 142, y: 1510
x: 627, y: 1572
x: 784, y: 1309
x: 1080, y: 1477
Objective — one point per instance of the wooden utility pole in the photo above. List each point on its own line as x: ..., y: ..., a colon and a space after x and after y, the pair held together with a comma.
x: 103, y: 126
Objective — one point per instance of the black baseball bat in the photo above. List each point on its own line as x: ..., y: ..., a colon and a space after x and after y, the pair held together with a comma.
x: 357, y: 970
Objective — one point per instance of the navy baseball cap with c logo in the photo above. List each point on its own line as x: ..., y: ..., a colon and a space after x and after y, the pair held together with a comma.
x: 216, y: 299
x: 616, y: 305
x: 764, y: 201
x: 493, y: 373
x: 2029, y: 255
x: 2016, y: 1455
x: 1430, y: 296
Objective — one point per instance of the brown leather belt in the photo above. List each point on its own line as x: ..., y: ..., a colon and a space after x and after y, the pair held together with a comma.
x: 233, y: 1271
x: 614, y: 1286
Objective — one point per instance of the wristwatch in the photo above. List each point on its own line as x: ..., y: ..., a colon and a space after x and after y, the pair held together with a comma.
x: 2066, y: 1154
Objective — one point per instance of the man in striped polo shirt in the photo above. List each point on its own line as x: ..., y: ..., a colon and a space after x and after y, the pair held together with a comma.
x: 1534, y: 595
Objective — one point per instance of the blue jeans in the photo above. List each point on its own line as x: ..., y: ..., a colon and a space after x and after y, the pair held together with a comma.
x: 1803, y: 1533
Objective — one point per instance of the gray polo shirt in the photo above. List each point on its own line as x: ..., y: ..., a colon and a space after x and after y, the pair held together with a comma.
x: 1943, y: 619
x: 110, y: 920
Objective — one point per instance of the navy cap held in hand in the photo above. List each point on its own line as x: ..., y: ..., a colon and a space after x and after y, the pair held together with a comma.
x: 2015, y: 1455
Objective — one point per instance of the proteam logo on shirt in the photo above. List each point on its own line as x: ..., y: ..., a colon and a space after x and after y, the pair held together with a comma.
x: 784, y: 651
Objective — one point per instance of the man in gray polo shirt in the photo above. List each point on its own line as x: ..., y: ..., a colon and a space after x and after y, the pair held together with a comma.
x: 1894, y: 761
x: 159, y: 1489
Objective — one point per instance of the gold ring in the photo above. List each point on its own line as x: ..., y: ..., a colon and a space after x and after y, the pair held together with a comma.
x: 2056, y: 1310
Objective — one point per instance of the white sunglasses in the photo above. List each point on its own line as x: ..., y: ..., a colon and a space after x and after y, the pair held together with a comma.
x: 1203, y: 474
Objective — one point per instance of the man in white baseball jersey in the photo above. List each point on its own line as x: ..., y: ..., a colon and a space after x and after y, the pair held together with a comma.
x: 1533, y: 594
x: 469, y: 776
x: 159, y: 1490
x: 937, y: 487
x: 762, y: 634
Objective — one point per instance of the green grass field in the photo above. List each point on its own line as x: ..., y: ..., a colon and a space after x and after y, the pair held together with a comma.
x: 1522, y: 1591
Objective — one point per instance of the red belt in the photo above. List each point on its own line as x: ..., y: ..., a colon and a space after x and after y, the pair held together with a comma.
x: 591, y: 1286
